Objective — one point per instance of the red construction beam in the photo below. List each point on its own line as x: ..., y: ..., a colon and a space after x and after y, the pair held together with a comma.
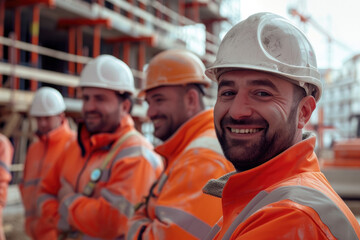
x: 19, y: 3
x: 150, y: 40
x: 126, y: 53
x: 196, y: 4
x: 35, y: 28
x: 17, y: 29
x: 71, y: 50
x: 141, y: 57
x: 97, y: 41
x: 2, y: 17
x: 66, y: 23
x: 214, y: 20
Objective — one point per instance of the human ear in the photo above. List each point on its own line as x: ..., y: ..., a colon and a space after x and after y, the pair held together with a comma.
x: 125, y: 106
x: 191, y: 101
x: 306, y: 107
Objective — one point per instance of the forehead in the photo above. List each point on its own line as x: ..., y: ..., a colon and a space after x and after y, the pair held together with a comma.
x: 252, y: 77
x: 162, y: 91
x: 47, y: 118
x: 97, y: 91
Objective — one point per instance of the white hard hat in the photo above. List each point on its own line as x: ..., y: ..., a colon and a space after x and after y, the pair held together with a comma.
x: 106, y: 71
x: 47, y: 102
x: 270, y: 43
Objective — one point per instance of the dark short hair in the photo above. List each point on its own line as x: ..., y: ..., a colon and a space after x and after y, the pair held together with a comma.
x: 200, y: 89
x: 125, y: 96
x: 299, y: 94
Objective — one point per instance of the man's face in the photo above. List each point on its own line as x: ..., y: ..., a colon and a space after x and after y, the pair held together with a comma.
x: 47, y: 124
x: 255, y: 117
x: 101, y: 110
x: 166, y: 110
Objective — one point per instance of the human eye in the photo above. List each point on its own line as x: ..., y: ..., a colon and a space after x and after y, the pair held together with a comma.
x: 85, y: 98
x: 159, y: 99
x: 262, y: 94
x: 103, y: 98
x: 226, y: 93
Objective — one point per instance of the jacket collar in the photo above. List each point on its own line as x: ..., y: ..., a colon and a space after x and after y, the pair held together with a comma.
x: 297, y: 159
x: 176, y: 144
x: 89, y: 142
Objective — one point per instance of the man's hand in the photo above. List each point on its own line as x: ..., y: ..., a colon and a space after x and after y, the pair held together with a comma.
x: 65, y: 190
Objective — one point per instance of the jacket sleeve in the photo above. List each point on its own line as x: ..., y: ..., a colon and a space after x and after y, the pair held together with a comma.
x: 6, y: 154
x: 23, y: 197
x: 181, y: 209
x: 107, y: 216
x: 47, y: 203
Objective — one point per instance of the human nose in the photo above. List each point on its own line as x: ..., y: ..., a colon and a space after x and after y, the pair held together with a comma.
x: 151, y: 111
x: 42, y: 122
x: 88, y: 105
x: 240, y: 107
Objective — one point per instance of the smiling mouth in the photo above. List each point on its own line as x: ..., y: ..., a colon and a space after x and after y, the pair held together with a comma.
x: 92, y: 117
x: 245, y: 130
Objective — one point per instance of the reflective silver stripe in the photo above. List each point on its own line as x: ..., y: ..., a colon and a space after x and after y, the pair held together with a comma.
x: 135, y: 227
x: 215, y: 229
x: 40, y: 201
x: 31, y: 182
x: 43, y: 198
x: 87, y: 237
x: 119, y: 202
x: 329, y: 212
x: 4, y: 166
x: 63, y: 224
x: 30, y: 213
x: 206, y: 142
x: 151, y: 157
x: 184, y: 220
x: 162, y: 180
x: 135, y: 151
x: 139, y: 151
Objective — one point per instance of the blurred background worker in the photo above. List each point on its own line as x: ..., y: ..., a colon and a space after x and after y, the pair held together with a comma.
x: 268, y: 86
x: 6, y: 155
x: 53, y: 134
x: 92, y: 190
x: 176, y: 208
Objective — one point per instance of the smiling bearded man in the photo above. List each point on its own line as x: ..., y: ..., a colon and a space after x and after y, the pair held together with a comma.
x: 268, y: 86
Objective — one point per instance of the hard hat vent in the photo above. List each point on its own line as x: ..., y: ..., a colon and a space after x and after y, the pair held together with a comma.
x: 286, y: 44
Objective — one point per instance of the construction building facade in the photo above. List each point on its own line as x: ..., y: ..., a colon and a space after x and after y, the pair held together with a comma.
x: 48, y: 42
x: 341, y: 102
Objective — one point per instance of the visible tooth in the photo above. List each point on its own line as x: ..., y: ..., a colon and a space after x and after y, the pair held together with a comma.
x: 244, y: 131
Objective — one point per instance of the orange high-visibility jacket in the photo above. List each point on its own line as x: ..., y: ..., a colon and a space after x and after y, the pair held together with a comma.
x: 6, y: 155
x: 176, y: 207
x: 40, y: 158
x: 285, y: 198
x: 122, y: 184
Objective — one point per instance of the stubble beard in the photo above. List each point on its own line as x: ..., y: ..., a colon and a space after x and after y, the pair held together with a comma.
x: 103, y: 125
x: 245, y: 155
